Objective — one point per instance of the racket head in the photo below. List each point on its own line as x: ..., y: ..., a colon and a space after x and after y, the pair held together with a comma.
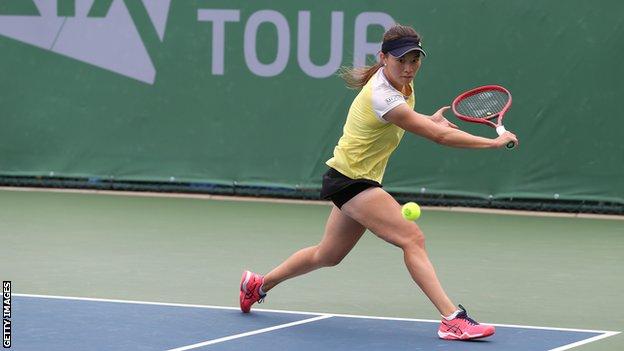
x: 483, y: 105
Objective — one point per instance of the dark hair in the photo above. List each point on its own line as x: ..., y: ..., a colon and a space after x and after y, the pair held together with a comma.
x: 357, y: 77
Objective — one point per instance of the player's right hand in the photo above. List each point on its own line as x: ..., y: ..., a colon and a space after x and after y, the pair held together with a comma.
x: 504, y: 139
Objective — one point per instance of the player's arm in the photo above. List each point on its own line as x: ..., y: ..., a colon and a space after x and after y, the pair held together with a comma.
x: 423, y: 125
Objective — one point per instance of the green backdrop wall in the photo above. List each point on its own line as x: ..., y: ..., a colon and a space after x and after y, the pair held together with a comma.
x: 247, y: 91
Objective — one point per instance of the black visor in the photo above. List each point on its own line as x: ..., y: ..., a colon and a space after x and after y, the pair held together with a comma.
x: 401, y: 46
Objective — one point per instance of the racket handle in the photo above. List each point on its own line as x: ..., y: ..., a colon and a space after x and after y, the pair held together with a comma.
x: 501, y: 130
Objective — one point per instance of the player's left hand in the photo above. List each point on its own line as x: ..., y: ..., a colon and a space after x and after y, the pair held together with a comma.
x: 439, y: 118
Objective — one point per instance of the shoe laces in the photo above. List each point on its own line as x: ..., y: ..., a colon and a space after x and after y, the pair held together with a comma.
x: 464, y: 315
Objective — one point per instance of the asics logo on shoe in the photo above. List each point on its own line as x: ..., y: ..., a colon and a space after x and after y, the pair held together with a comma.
x: 453, y: 328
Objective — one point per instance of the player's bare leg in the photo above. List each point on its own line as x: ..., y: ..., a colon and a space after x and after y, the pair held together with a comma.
x: 378, y: 211
x: 341, y: 234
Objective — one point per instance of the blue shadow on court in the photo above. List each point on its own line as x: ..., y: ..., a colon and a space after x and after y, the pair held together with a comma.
x: 52, y: 323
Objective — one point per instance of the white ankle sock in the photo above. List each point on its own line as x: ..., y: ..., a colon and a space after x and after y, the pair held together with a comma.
x: 452, y: 315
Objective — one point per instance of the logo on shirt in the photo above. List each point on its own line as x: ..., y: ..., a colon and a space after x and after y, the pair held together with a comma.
x: 394, y: 98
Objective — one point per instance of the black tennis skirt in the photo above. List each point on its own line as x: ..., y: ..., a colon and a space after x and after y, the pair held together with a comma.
x: 339, y: 188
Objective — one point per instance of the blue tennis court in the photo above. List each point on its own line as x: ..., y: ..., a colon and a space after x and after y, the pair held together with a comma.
x: 69, y: 323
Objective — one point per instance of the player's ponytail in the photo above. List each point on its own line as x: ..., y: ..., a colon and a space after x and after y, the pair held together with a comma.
x: 357, y: 77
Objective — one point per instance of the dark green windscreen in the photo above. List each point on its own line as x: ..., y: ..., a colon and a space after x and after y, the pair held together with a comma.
x: 240, y: 92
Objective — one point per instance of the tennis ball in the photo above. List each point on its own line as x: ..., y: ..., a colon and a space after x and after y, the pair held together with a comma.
x: 410, y: 211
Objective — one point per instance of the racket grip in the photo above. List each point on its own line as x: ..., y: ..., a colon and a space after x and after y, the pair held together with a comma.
x: 501, y: 130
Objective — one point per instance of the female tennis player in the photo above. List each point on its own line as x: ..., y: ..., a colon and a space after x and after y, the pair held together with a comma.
x: 380, y: 114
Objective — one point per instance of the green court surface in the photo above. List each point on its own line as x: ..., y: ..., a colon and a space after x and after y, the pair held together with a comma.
x: 506, y: 269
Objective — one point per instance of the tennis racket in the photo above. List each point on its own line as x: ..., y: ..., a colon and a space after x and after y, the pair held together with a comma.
x: 484, y: 105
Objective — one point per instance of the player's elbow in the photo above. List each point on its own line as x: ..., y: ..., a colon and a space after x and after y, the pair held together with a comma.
x: 437, y: 134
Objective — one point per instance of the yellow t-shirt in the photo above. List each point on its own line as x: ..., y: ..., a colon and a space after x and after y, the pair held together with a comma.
x: 368, y: 139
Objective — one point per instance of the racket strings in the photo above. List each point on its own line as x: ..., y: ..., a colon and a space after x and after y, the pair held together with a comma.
x: 484, y: 104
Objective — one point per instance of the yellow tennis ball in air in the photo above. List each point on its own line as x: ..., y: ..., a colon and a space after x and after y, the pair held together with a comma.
x: 410, y: 211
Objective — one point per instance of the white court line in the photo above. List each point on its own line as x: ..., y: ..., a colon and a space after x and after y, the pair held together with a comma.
x: 607, y: 332
x: 586, y: 341
x: 242, y: 335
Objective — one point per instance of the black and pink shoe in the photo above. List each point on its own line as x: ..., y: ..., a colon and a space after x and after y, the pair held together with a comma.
x: 250, y: 290
x: 463, y: 327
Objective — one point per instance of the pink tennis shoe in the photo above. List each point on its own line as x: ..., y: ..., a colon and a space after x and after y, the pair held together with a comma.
x: 463, y: 327
x: 250, y: 290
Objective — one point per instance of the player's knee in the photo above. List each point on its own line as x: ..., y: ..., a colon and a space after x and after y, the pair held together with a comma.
x: 330, y: 261
x: 324, y: 259
x: 414, y: 239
